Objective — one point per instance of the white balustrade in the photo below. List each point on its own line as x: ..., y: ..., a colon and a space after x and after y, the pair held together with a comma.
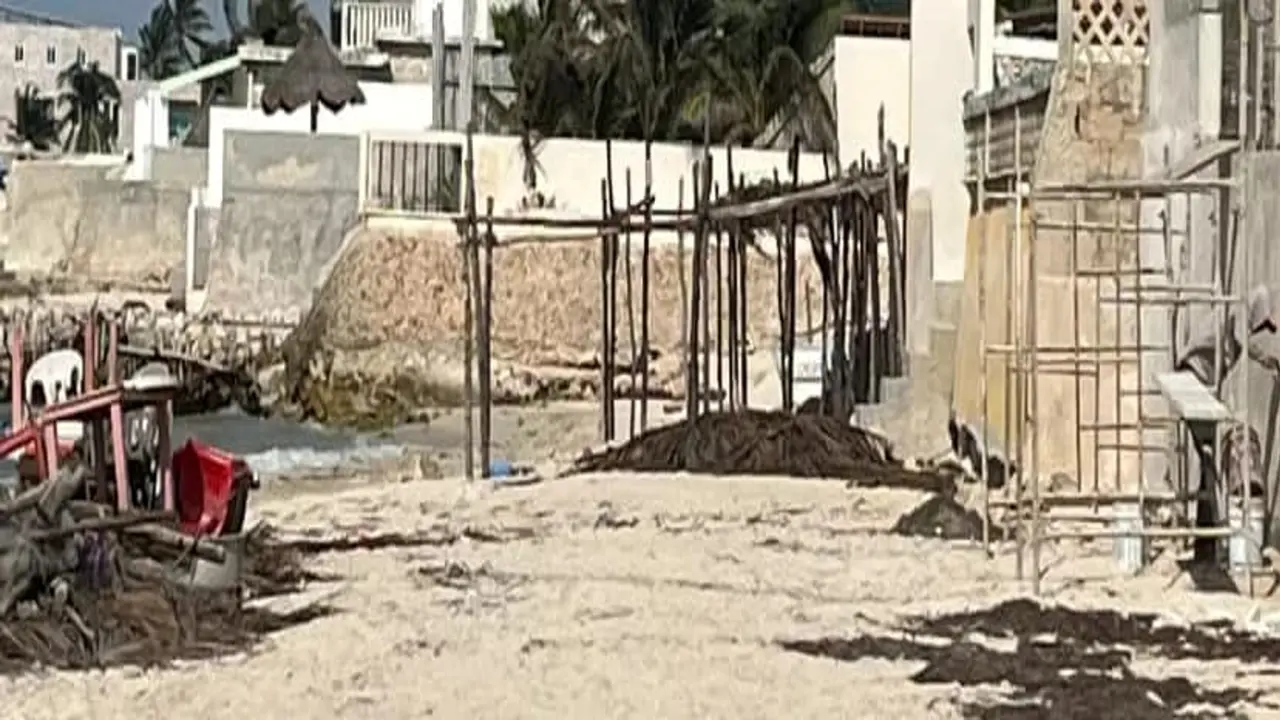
x: 363, y: 22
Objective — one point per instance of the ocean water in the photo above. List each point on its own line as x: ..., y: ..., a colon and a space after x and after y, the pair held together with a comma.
x: 270, y: 446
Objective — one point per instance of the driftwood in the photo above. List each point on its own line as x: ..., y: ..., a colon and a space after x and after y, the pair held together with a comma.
x: 173, y: 540
x: 58, y: 490
x: 23, y: 501
x: 82, y: 585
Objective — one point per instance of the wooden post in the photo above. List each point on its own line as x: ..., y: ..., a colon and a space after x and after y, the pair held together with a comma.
x: 165, y: 471
x: 18, y: 390
x: 897, y: 305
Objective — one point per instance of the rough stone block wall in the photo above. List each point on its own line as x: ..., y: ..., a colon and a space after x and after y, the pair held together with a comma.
x: 391, y: 314
x: 546, y: 298
x: 1093, y: 132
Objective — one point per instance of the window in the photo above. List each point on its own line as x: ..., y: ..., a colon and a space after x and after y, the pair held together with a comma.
x: 19, y: 55
x: 51, y: 55
x: 131, y: 65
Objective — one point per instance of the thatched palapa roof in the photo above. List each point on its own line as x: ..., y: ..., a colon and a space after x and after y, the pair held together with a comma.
x: 313, y: 74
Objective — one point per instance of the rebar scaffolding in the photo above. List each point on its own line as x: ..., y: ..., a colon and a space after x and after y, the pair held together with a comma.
x: 1114, y: 425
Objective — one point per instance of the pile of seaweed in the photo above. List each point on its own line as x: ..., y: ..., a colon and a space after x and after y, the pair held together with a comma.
x: 945, y: 518
x: 757, y: 442
x: 82, y: 586
x: 1065, y: 663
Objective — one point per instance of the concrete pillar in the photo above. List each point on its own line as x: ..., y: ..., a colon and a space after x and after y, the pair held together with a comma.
x: 422, y: 10
x: 920, y: 297
x: 1209, y: 69
x: 982, y: 21
x: 941, y: 73
x: 1183, y: 101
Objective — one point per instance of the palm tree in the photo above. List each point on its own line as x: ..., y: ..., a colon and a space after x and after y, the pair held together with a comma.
x: 190, y: 28
x: 897, y: 8
x: 34, y: 121
x: 158, y: 53
x: 768, y: 69
x: 668, y: 69
x: 92, y: 102
x: 547, y: 81
x: 276, y: 22
x: 657, y: 48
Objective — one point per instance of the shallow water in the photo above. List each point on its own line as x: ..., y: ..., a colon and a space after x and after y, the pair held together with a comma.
x: 271, y: 446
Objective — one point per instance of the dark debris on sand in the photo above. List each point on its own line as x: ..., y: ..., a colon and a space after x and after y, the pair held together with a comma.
x: 756, y: 442
x: 944, y: 517
x: 82, y: 586
x: 1067, y: 663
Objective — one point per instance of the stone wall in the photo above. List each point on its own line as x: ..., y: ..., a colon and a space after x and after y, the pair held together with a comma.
x: 392, y: 312
x: 1092, y: 131
x: 180, y: 167
x: 288, y: 202
x: 81, y: 221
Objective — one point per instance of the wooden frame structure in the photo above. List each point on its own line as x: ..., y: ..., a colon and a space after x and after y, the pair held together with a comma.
x: 842, y: 217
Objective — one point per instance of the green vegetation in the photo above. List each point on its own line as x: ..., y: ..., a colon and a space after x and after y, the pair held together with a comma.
x: 91, y: 109
x: 178, y: 36
x: 82, y: 117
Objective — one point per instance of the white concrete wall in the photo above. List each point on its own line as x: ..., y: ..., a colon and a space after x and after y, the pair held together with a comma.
x: 871, y: 72
x: 570, y: 172
x: 942, y: 70
x: 453, y: 25
x: 395, y: 107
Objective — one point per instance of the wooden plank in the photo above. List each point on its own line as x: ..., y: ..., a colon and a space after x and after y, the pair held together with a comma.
x: 1199, y: 159
x: 1191, y: 400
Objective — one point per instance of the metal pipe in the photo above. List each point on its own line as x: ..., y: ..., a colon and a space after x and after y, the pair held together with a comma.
x: 629, y: 299
x: 486, y: 346
x: 984, y: 472
x: 1073, y: 273
x: 1019, y: 340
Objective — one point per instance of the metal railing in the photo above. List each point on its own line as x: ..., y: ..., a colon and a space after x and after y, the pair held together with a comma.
x: 412, y: 174
x: 363, y: 22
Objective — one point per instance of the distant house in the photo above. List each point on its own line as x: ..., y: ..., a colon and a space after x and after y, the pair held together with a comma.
x: 34, y: 48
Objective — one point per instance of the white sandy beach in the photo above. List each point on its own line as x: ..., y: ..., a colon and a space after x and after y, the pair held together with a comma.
x: 671, y: 617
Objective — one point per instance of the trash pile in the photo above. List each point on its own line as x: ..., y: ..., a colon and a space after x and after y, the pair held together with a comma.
x: 757, y: 442
x: 84, y: 587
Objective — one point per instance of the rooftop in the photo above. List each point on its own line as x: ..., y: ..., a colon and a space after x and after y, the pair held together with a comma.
x: 19, y: 16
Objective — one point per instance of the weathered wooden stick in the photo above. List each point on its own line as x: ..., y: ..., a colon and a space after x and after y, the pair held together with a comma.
x: 22, y: 502
x: 146, y: 569
x: 151, y: 353
x: 89, y: 509
x: 59, y: 490
x: 173, y: 539
x: 17, y: 570
x: 118, y: 522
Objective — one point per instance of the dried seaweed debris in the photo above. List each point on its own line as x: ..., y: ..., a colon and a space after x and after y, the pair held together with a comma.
x: 766, y: 443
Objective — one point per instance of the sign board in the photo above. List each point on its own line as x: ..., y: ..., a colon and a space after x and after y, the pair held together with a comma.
x: 807, y: 374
